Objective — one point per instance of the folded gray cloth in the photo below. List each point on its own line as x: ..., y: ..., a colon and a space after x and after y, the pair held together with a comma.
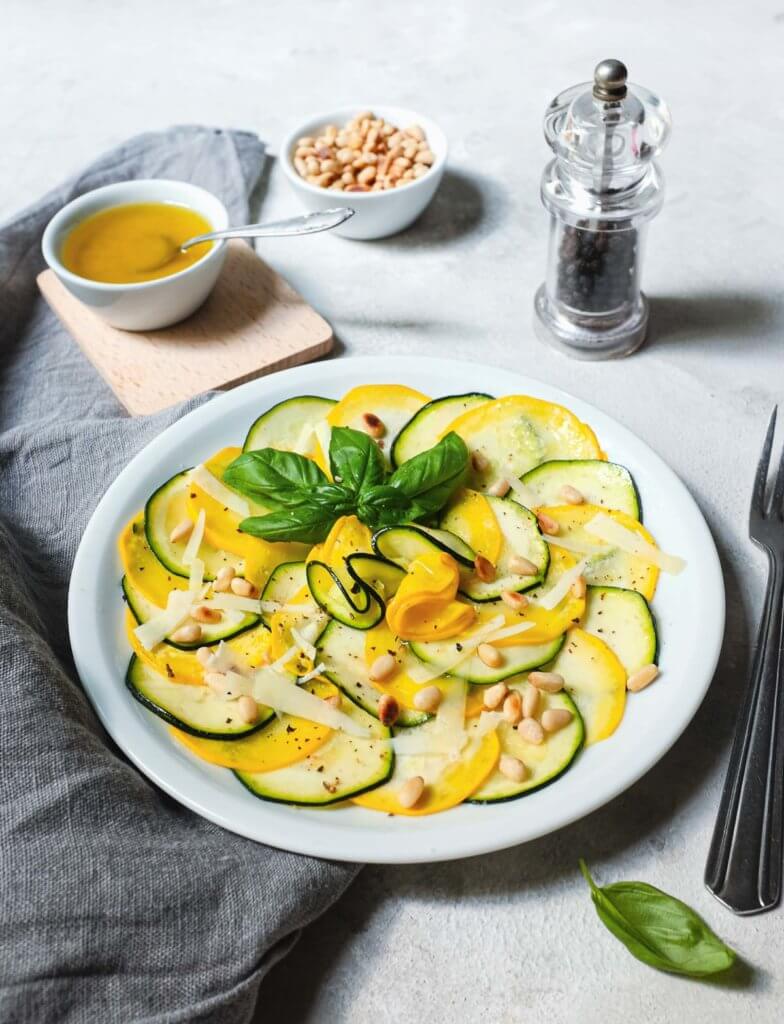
x: 116, y: 904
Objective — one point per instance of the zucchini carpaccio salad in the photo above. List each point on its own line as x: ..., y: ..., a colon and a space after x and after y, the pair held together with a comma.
x: 395, y: 601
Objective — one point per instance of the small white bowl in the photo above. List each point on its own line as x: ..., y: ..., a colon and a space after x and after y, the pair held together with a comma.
x: 377, y: 214
x: 146, y: 305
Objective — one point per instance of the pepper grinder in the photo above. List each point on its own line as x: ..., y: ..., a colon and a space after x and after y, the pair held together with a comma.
x: 602, y: 188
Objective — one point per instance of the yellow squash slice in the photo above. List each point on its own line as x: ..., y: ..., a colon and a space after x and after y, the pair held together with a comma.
x: 472, y: 519
x: 595, y: 680
x: 142, y: 568
x: 393, y: 404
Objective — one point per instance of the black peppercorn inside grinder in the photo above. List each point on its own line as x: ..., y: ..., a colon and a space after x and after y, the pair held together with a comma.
x: 601, y: 189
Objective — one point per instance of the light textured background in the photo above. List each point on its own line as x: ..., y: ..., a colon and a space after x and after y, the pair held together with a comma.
x: 510, y: 937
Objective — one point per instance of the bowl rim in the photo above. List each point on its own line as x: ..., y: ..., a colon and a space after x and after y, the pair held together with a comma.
x: 286, y: 150
x: 54, y: 228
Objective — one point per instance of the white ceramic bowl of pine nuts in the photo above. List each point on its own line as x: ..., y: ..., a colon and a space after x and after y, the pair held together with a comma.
x: 384, y: 162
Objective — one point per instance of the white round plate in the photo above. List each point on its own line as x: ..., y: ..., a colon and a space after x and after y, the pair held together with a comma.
x: 654, y: 719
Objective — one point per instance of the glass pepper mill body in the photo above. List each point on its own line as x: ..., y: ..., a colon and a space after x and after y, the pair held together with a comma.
x: 601, y: 190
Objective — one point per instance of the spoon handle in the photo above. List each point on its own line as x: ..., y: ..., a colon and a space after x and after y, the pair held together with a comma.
x: 307, y: 224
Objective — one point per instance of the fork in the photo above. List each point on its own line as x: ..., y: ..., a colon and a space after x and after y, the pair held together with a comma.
x: 744, y: 865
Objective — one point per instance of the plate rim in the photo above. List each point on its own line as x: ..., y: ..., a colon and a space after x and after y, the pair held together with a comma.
x: 336, y: 841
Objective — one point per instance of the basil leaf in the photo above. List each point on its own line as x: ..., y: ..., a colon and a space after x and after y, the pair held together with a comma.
x: 355, y: 458
x: 431, y: 478
x: 659, y: 929
x: 308, y: 524
x: 383, y: 505
x: 278, y: 479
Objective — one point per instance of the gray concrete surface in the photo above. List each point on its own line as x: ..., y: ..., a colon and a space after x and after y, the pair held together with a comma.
x: 510, y: 937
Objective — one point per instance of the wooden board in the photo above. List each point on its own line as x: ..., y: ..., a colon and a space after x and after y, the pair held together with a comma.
x: 252, y: 323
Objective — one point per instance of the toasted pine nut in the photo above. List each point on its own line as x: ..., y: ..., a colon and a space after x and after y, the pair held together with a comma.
x: 641, y: 678
x: 243, y: 588
x: 514, y: 600
x: 373, y: 424
x: 484, y: 569
x: 424, y: 156
x: 415, y: 132
x: 499, y: 488
x: 388, y: 709
x: 427, y: 699
x: 202, y: 614
x: 490, y: 655
x: 479, y: 462
x: 333, y: 700
x: 579, y: 588
x: 187, y: 634
x: 530, y: 702
x: 181, y: 531
x: 411, y: 791
x: 571, y: 495
x: 494, y: 695
x: 222, y: 581
x: 203, y: 655
x: 554, y: 719
x: 382, y: 668
x: 522, y: 566
x: 550, y: 682
x: 513, y: 708
x: 530, y: 730
x: 216, y: 682
x: 511, y: 768
x: 547, y: 524
x: 248, y: 709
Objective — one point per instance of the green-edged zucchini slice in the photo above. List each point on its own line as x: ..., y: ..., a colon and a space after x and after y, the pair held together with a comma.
x: 427, y: 425
x: 352, y: 603
x: 282, y: 425
x: 194, y: 709
x: 544, y: 762
x: 402, y: 544
x: 378, y: 574
x: 343, y: 767
x: 600, y: 483
x: 624, y: 621
x: 342, y: 649
x: 232, y: 624
x: 164, y: 509
x: 521, y: 536
x: 517, y: 658
x: 284, y: 582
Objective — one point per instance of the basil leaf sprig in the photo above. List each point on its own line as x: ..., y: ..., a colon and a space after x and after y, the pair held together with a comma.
x: 659, y: 929
x: 306, y: 503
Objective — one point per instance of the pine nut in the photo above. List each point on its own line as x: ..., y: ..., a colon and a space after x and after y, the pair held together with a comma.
x: 522, y: 566
x: 411, y: 791
x: 490, y: 656
x: 518, y: 602
x: 203, y: 655
x: 416, y: 132
x: 484, y: 569
x: 554, y: 719
x: 579, y: 588
x: 333, y: 700
x: 571, y: 495
x: 511, y: 768
x: 530, y: 702
x: 181, y: 531
x: 547, y: 524
x: 641, y: 678
x: 388, y: 709
x: 216, y: 682
x: 513, y: 708
x: 530, y: 730
x: 223, y: 579
x: 424, y: 156
x: 243, y: 588
x: 382, y: 668
x: 479, y: 462
x: 373, y: 425
x: 550, y: 682
x: 494, y: 695
x: 248, y: 709
x: 366, y: 175
x: 188, y: 634
x: 202, y: 614
x: 499, y: 489
x: 427, y: 699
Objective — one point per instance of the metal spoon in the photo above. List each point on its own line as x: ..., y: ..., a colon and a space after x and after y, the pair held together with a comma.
x: 307, y: 224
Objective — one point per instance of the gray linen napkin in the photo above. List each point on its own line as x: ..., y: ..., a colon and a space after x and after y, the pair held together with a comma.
x: 116, y: 904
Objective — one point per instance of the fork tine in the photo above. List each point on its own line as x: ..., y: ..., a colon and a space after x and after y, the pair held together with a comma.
x: 777, y: 503
x: 758, y: 494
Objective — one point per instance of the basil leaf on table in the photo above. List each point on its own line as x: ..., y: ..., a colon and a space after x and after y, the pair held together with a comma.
x: 430, y: 479
x: 659, y: 929
x: 355, y: 459
x: 275, y: 478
